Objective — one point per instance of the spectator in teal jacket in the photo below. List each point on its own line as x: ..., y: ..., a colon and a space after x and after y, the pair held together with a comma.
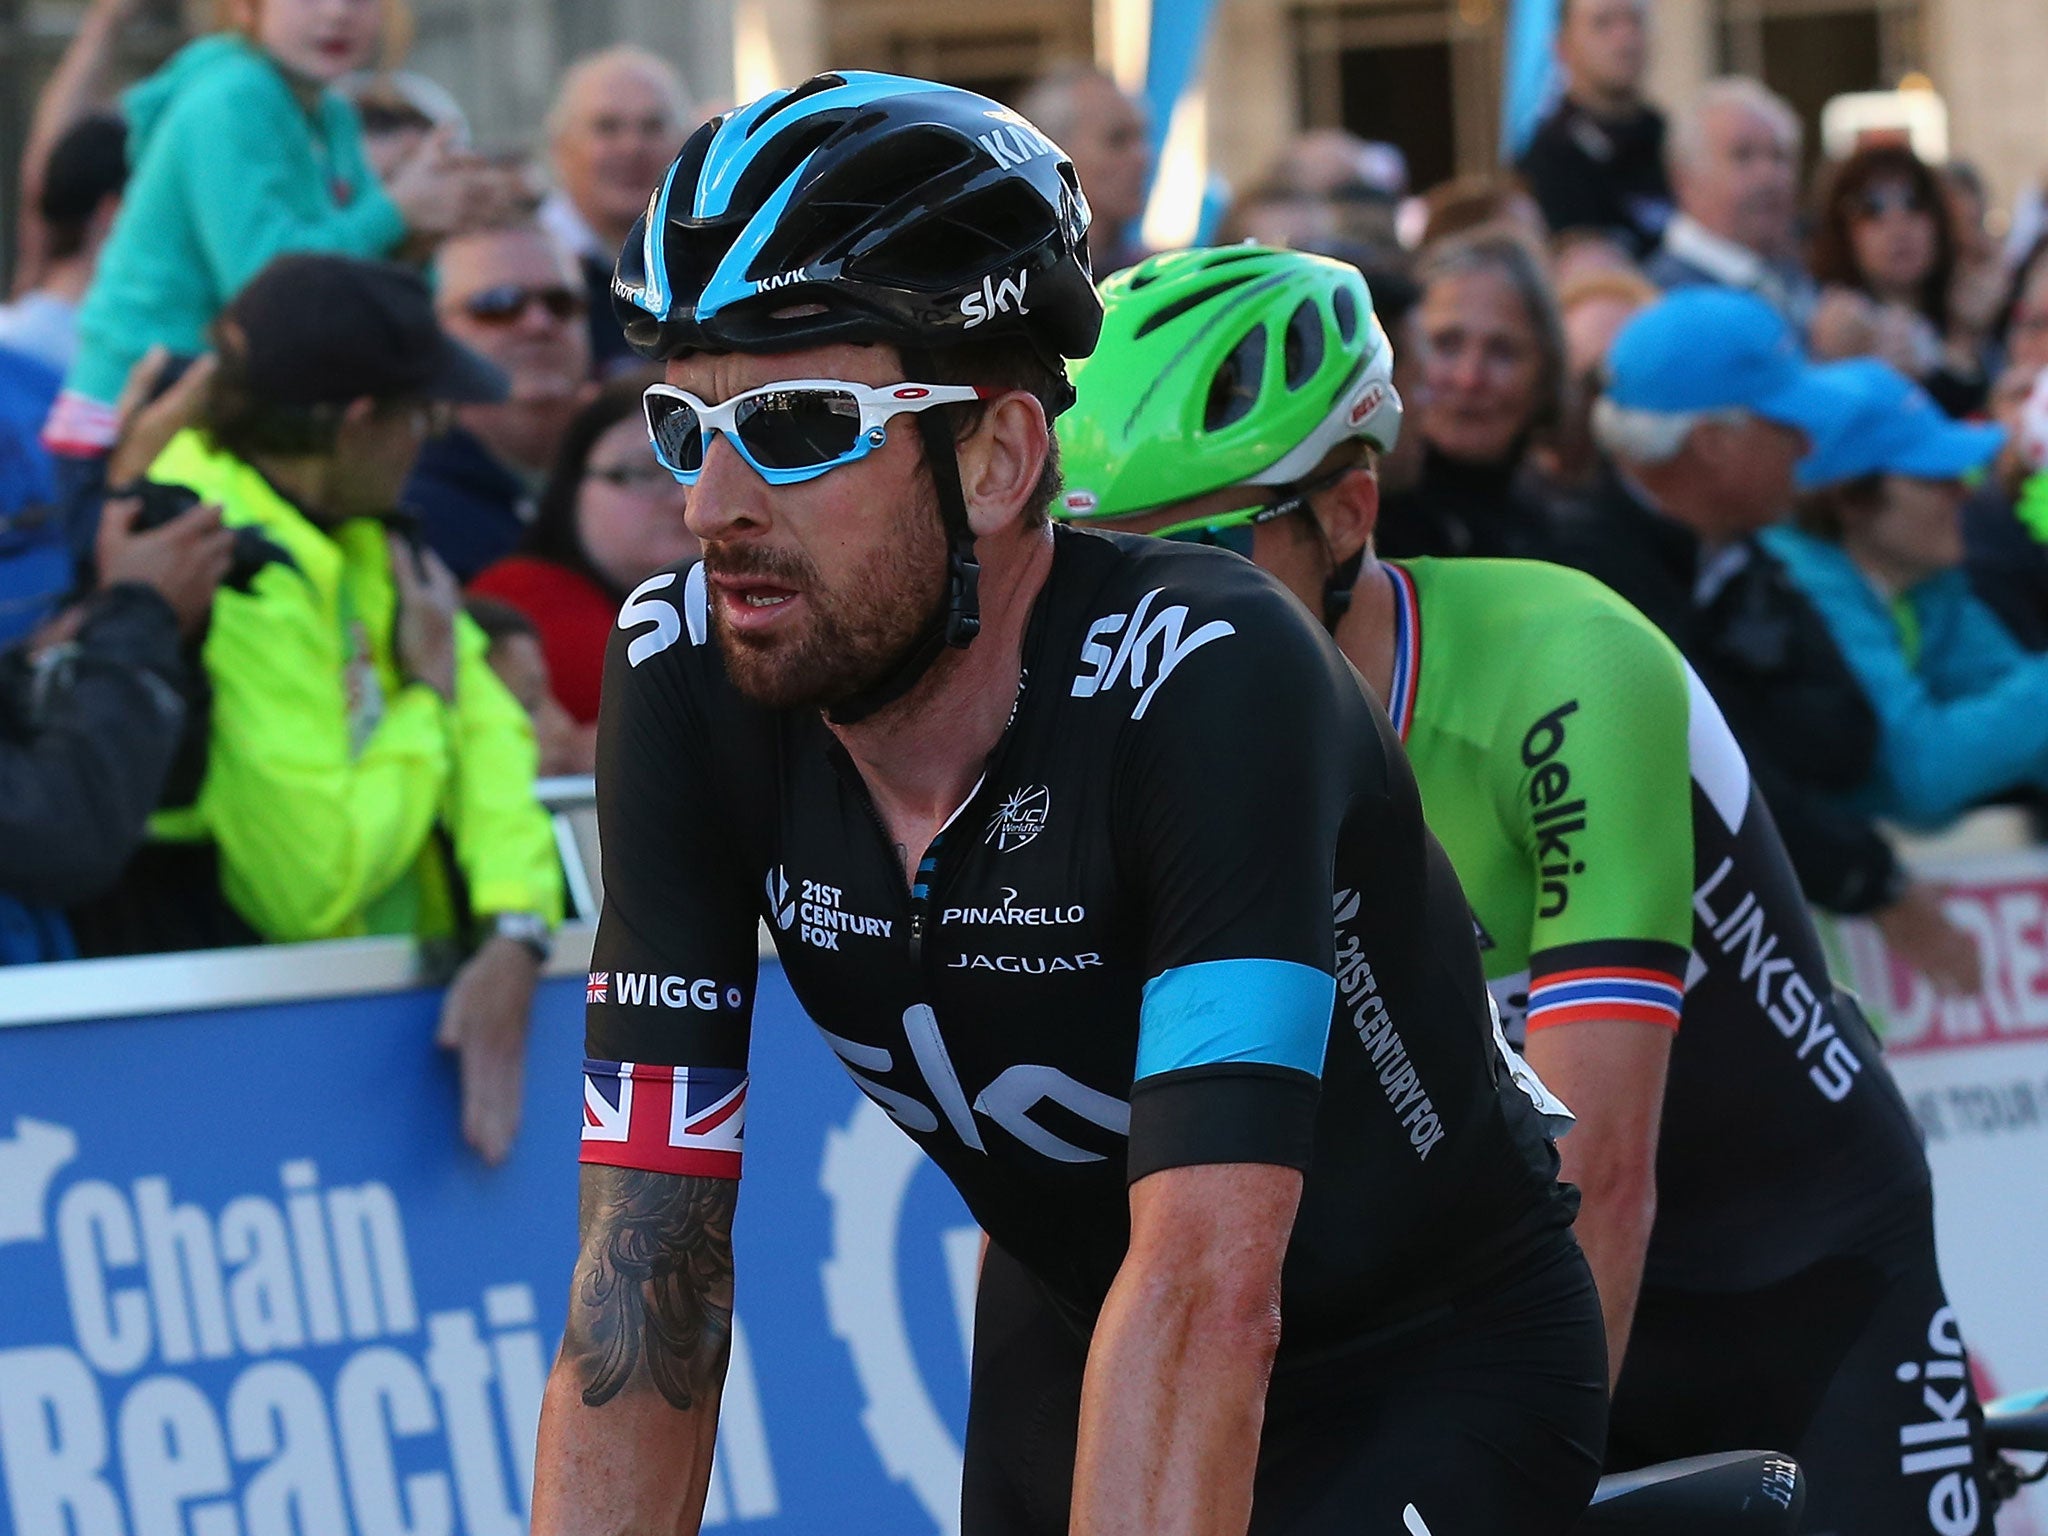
x: 239, y: 152
x: 1962, y: 708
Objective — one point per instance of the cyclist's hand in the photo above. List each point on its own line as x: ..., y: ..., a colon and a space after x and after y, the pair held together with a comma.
x: 1919, y: 932
x: 183, y: 561
x: 427, y: 602
x: 484, y: 1020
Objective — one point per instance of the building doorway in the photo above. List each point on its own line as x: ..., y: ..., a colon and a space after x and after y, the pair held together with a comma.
x: 1423, y: 75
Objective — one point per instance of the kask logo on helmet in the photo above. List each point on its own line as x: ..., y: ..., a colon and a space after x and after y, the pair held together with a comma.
x: 781, y: 280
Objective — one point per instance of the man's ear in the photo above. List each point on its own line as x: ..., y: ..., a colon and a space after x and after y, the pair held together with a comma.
x: 1715, y: 444
x: 1000, y: 461
x: 1349, y: 511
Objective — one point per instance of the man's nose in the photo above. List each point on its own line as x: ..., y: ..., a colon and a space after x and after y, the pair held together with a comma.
x: 727, y: 495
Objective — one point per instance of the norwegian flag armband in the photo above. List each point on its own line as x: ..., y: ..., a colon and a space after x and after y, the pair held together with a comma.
x: 680, y: 1120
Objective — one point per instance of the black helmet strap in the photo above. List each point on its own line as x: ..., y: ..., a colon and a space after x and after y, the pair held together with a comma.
x: 958, y: 618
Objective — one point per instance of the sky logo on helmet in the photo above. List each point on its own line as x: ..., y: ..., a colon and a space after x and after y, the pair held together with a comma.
x: 994, y: 298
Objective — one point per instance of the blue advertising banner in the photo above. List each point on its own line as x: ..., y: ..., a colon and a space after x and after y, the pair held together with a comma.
x: 252, y: 1284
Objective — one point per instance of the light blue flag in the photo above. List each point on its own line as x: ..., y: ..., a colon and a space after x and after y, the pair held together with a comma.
x: 1179, y: 29
x: 1531, y: 80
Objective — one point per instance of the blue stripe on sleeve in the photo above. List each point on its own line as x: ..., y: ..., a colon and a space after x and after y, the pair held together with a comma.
x: 1274, y: 1012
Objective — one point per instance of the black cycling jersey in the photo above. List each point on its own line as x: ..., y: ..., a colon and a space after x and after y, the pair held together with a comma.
x: 1193, y: 883
x: 1785, y: 1137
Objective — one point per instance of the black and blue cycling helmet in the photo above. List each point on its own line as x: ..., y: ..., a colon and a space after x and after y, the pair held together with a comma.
x: 862, y: 207
x: 869, y: 208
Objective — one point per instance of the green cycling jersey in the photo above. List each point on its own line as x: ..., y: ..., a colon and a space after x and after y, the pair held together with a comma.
x: 1619, y: 864
x: 1547, y: 722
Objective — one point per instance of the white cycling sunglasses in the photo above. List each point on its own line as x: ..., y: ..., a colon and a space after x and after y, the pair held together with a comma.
x: 793, y: 430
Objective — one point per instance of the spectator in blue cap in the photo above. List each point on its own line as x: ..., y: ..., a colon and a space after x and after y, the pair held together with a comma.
x: 1962, y: 709
x: 1708, y: 409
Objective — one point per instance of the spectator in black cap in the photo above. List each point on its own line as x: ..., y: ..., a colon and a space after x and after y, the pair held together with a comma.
x: 365, y: 770
x: 81, y: 189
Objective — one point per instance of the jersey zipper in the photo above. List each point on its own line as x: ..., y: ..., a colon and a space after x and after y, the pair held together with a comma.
x: 925, y: 878
x: 921, y: 885
x: 920, y: 888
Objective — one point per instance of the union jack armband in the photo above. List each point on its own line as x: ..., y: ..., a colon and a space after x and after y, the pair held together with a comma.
x: 680, y: 1120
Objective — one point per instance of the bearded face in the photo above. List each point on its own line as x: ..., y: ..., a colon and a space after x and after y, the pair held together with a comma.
x: 794, y: 637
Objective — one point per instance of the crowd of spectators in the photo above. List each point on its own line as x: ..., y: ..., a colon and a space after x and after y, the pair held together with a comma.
x: 288, y: 365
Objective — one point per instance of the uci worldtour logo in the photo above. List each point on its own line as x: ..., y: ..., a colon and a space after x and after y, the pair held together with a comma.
x: 1019, y: 819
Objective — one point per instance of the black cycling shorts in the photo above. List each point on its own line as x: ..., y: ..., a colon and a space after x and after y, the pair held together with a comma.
x: 1854, y: 1366
x: 1488, y: 1419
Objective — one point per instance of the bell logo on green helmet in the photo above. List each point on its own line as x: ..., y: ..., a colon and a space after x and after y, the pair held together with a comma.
x: 1079, y: 503
x: 1372, y: 399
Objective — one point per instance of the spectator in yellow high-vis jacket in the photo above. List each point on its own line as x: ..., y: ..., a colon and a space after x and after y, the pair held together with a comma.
x: 363, y: 761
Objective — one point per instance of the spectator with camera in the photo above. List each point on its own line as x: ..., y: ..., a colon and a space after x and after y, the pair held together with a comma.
x: 513, y: 295
x: 93, y: 708
x: 365, y: 770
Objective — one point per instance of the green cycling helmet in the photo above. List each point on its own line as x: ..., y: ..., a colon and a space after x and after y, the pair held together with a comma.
x: 1225, y: 365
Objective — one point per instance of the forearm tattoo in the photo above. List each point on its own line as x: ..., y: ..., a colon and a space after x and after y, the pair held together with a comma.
x: 654, y: 1286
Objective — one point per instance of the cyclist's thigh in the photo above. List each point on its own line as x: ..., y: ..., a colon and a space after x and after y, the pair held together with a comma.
x: 1023, y: 1411
x: 1895, y: 1445
x: 1736, y: 1371
x: 1494, y: 1427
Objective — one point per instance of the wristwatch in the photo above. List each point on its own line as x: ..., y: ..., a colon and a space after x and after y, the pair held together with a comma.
x: 528, y: 928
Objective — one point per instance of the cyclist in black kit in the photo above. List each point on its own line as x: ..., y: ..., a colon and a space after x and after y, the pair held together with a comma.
x: 1095, y: 866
